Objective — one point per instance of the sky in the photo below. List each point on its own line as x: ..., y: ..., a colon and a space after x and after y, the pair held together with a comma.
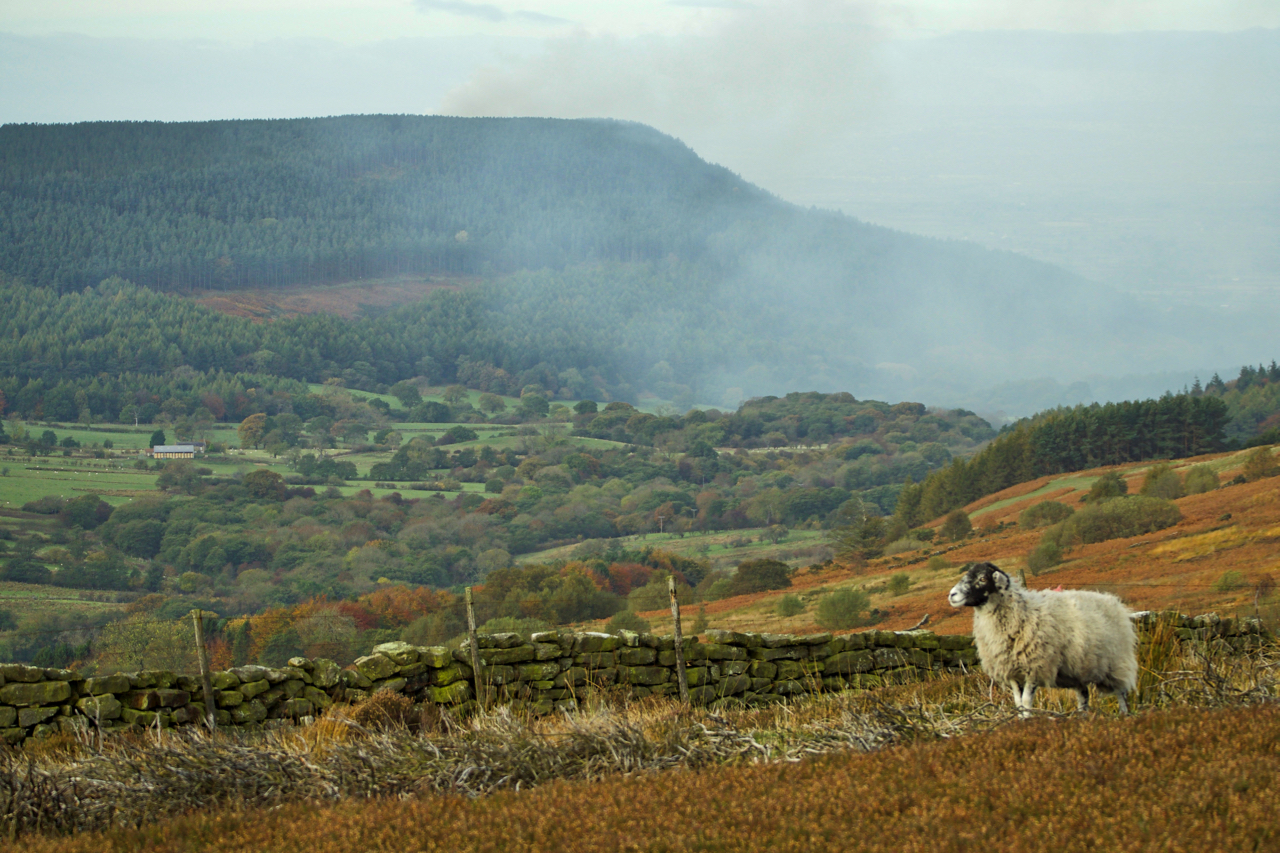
x: 348, y: 22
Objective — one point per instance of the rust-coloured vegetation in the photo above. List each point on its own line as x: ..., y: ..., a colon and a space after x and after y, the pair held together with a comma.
x: 933, y: 765
x: 1184, y: 779
x: 346, y: 300
x: 1232, y: 532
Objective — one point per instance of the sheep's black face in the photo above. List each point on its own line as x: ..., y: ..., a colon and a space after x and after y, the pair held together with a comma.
x: 980, y: 582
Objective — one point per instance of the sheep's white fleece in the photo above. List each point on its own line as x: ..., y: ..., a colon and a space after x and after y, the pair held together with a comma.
x: 1025, y: 635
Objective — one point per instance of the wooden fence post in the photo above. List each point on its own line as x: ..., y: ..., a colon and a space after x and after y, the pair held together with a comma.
x: 197, y: 619
x: 682, y: 678
x: 482, y: 694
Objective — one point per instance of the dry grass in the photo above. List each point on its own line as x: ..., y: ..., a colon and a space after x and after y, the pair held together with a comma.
x: 167, y: 790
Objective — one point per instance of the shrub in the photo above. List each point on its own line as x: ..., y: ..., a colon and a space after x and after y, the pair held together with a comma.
x: 700, y: 621
x: 718, y: 589
x: 655, y: 596
x: 627, y: 620
x: 1162, y: 481
x: 901, y: 546
x: 25, y: 571
x: 938, y: 562
x: 384, y: 711
x: 1043, y: 514
x: 1200, y: 479
x: 957, y: 525
x: 514, y: 625
x: 1045, y: 555
x: 924, y: 534
x: 789, y: 605
x: 1109, y: 485
x: 1229, y: 582
x: 899, y: 583
x: 1116, y: 519
x: 455, y: 434
x: 759, y: 576
x: 843, y: 608
x: 1257, y: 465
x: 47, y: 505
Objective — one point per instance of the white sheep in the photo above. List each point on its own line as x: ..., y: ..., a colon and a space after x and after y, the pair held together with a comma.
x: 1028, y: 639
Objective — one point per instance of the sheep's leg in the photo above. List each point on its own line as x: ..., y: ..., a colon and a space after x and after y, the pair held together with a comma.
x: 1016, y: 689
x: 1082, y: 699
x: 1124, y: 705
x: 1025, y: 700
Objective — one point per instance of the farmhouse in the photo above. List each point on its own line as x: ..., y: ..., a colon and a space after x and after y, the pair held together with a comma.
x: 173, y: 451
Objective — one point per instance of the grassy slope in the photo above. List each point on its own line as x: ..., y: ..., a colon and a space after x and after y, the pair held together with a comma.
x: 1180, y: 779
x: 1180, y: 568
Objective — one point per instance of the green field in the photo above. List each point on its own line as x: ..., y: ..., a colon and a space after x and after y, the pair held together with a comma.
x: 116, y: 481
x: 721, y: 547
x: 1051, y: 486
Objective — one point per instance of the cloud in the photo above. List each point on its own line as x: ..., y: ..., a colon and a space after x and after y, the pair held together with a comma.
x: 486, y: 12
x: 774, y: 80
x: 713, y: 4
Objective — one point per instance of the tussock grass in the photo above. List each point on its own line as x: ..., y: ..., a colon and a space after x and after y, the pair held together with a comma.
x: 390, y: 755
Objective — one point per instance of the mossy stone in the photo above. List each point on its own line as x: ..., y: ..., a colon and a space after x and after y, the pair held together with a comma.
x: 35, y: 693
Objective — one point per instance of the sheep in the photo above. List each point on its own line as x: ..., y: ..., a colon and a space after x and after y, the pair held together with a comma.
x: 1028, y: 638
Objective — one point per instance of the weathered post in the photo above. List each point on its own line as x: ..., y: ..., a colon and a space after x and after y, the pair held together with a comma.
x: 482, y: 694
x: 681, y: 676
x: 202, y: 653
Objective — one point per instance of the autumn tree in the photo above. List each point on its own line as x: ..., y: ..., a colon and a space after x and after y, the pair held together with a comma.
x: 252, y: 429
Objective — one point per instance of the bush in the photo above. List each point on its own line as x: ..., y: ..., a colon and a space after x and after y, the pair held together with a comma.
x: 456, y: 434
x: 655, y: 596
x: 1259, y: 464
x: 718, y: 589
x: 938, y: 562
x: 26, y: 571
x: 924, y: 534
x: 1200, y: 479
x: 1043, y: 514
x: 759, y: 576
x: 789, y: 605
x: 1117, y: 519
x: 1109, y: 485
x: 843, y: 608
x: 514, y: 625
x: 901, y: 546
x: 47, y: 505
x: 1229, y: 582
x: 1045, y: 555
x: 385, y: 710
x: 1162, y: 481
x: 957, y: 525
x: 899, y: 583
x: 627, y: 620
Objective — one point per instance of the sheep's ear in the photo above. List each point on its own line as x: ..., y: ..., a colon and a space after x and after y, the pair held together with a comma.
x: 1000, y: 579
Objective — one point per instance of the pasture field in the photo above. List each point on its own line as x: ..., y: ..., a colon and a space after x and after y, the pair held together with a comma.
x: 728, y: 547
x: 115, y: 481
x: 46, y: 600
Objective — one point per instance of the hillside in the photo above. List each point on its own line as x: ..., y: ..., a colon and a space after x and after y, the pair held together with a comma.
x: 599, y: 247
x: 1221, y: 557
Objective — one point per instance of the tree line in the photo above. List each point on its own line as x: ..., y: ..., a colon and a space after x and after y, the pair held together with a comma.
x: 1072, y: 439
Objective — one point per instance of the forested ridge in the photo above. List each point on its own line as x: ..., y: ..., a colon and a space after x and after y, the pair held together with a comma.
x: 610, y: 258
x: 271, y: 202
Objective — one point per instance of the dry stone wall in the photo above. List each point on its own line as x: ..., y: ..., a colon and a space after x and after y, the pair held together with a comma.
x: 547, y: 672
